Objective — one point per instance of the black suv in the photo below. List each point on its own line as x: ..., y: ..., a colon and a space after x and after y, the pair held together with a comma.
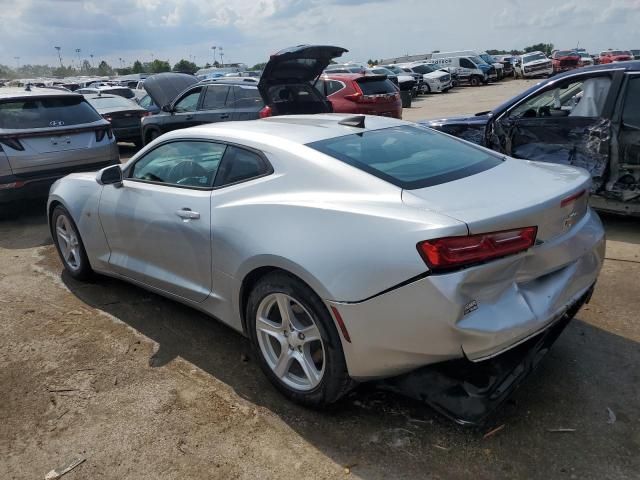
x: 286, y: 87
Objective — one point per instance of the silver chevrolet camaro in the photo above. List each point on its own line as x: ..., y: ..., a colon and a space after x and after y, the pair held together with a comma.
x: 346, y: 248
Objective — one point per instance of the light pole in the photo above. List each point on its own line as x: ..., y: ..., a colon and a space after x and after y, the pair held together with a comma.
x: 17, y: 59
x: 59, y: 55
x: 91, y: 56
x: 221, y: 57
x: 214, y: 54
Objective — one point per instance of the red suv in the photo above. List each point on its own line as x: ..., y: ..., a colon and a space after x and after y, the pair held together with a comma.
x: 611, y: 56
x: 564, y: 60
x: 362, y: 94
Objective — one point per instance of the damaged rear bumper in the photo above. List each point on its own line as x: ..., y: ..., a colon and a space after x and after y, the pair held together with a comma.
x: 473, y: 314
x: 468, y: 392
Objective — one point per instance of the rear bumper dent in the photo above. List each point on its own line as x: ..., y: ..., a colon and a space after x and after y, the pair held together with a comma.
x: 506, y: 301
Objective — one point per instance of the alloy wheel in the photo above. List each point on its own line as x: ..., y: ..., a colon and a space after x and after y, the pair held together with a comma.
x: 290, y: 342
x: 68, y: 242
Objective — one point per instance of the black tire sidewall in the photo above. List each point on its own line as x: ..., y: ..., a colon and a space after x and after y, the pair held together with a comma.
x: 335, y: 381
x: 85, y: 271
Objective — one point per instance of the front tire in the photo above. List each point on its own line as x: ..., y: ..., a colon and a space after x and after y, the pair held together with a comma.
x: 69, y: 244
x: 296, y: 342
x: 475, y: 81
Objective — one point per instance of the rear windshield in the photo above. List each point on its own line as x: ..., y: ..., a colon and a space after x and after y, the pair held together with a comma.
x: 46, y: 112
x: 111, y: 102
x: 123, y: 92
x: 409, y: 157
x: 376, y: 87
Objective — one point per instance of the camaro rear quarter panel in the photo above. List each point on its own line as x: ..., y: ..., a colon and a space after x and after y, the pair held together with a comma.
x: 516, y: 297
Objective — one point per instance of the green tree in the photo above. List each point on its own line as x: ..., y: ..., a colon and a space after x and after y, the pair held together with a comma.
x: 545, y: 48
x: 6, y: 72
x: 104, y: 69
x: 157, y: 66
x: 137, y: 67
x: 185, y: 66
x: 258, y: 66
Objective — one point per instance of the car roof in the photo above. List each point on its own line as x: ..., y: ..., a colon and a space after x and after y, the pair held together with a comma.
x: 22, y: 92
x: 301, y: 129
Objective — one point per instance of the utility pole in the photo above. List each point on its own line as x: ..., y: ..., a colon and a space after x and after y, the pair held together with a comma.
x: 91, y: 56
x: 214, y: 54
x: 59, y: 55
x: 79, y: 59
x: 17, y: 59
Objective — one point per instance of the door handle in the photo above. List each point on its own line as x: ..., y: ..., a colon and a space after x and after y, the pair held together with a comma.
x: 188, y: 214
x: 224, y: 116
x: 189, y: 117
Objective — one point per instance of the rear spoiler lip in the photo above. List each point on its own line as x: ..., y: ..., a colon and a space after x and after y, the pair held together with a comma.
x: 53, y: 132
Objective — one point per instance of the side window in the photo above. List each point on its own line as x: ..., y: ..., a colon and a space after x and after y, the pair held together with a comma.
x: 189, y: 102
x: 215, y: 97
x: 238, y: 165
x: 584, y: 98
x: 333, y: 86
x: 184, y: 163
x: 631, y: 109
x: 145, y: 101
x: 465, y: 63
x: 245, y: 97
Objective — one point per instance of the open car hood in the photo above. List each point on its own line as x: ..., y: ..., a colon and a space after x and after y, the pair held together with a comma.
x: 163, y: 88
x: 300, y: 64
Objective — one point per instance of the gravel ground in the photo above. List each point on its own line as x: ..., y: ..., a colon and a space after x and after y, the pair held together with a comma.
x: 142, y: 387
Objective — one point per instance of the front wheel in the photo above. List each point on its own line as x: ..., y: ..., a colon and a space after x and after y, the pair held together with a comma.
x: 475, y: 81
x: 69, y: 244
x: 296, y: 341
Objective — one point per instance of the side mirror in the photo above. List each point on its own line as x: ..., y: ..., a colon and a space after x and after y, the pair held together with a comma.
x: 167, y: 108
x: 110, y: 176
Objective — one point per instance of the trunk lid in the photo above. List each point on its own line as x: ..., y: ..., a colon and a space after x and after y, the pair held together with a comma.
x: 164, y: 88
x: 295, y: 65
x: 515, y: 194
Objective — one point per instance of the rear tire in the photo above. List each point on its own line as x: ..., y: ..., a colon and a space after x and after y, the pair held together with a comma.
x: 475, y: 81
x: 299, y: 351
x: 69, y: 244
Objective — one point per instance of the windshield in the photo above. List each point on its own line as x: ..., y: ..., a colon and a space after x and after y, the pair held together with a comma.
x: 43, y: 112
x: 423, y: 69
x: 619, y: 52
x: 110, y: 102
x: 585, y: 55
x: 533, y: 57
x: 409, y: 157
x: 477, y: 60
x: 394, y: 69
x: 488, y: 58
x: 565, y: 53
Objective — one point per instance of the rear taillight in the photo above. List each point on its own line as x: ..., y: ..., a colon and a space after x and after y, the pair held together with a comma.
x: 101, y: 132
x: 455, y: 252
x: 265, y: 112
x: 13, y: 143
x: 11, y: 185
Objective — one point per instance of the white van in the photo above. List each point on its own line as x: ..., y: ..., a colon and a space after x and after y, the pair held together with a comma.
x: 498, y: 68
x: 475, y: 72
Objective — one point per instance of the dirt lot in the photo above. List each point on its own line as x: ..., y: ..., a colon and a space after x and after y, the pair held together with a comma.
x: 142, y: 387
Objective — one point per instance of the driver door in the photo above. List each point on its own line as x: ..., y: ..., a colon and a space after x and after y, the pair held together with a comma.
x: 568, y: 123
x: 158, y: 224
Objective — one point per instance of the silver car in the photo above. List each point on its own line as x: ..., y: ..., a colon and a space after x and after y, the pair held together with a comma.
x: 46, y: 134
x: 346, y: 248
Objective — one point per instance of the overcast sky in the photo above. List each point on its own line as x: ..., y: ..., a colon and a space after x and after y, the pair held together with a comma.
x: 249, y: 30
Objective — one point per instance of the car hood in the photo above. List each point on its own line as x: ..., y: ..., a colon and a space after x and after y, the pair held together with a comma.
x: 300, y: 64
x: 164, y: 88
x: 436, y: 74
x: 536, y: 62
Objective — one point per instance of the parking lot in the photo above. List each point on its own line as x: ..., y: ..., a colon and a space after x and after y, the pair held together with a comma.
x: 141, y: 387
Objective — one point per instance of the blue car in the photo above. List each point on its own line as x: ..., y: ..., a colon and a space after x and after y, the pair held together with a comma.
x: 588, y: 117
